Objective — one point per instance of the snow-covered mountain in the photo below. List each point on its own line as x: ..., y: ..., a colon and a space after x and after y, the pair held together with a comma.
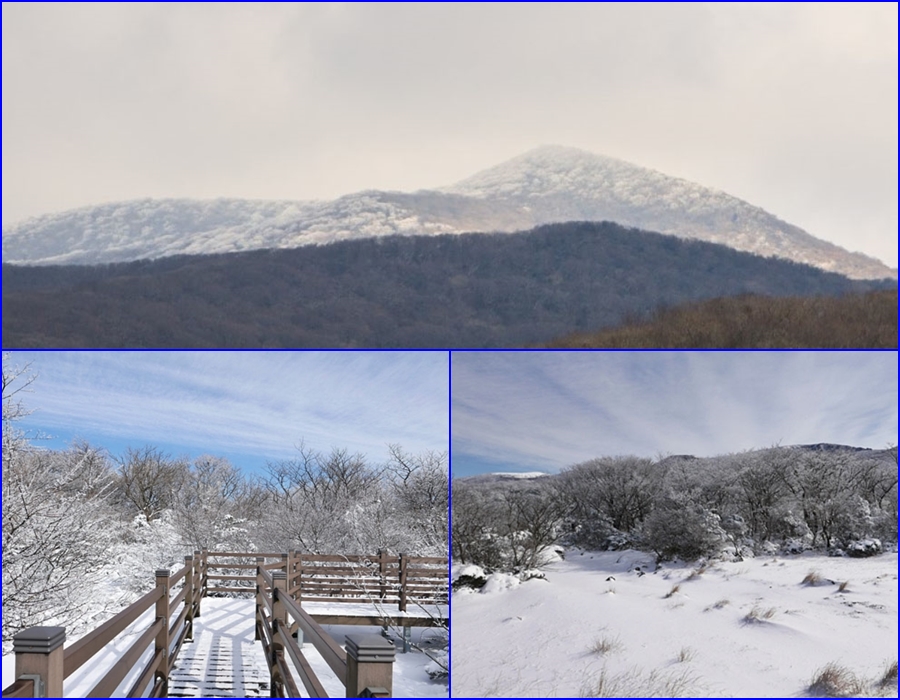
x: 546, y: 185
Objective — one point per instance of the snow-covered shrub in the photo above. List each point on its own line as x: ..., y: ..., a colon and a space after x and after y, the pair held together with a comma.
x: 681, y: 528
x: 868, y: 547
x: 615, y: 542
x: 794, y: 545
x: 466, y: 581
x: 439, y: 667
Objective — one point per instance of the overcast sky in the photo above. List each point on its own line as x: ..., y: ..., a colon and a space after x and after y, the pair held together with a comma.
x: 248, y: 406
x: 541, y: 411
x: 791, y: 107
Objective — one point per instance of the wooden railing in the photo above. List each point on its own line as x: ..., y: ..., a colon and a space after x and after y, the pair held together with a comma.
x: 43, y: 664
x: 401, y: 581
x: 365, y: 669
x: 280, y: 582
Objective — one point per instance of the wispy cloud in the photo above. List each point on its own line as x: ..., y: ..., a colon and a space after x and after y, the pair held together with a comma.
x: 538, y: 410
x: 250, y: 403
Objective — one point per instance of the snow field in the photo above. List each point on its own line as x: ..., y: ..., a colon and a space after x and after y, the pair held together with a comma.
x: 596, y: 626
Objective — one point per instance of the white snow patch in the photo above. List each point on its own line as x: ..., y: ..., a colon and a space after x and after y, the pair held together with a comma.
x: 537, y: 639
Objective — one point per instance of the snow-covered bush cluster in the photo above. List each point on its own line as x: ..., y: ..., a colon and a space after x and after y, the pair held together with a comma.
x: 786, y: 500
x: 84, y: 531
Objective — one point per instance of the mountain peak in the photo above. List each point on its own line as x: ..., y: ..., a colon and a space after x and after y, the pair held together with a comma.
x: 547, y: 184
x: 541, y: 171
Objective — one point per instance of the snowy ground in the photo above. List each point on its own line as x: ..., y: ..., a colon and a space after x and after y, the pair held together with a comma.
x: 640, y: 637
x: 224, y: 661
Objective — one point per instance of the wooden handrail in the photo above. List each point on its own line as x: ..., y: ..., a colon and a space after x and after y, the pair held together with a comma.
x: 82, y: 650
x: 146, y: 675
x: 309, y: 678
x: 334, y: 656
x: 180, y: 574
x: 108, y: 684
x: 23, y: 688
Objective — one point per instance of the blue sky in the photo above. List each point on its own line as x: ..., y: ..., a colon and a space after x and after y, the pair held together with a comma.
x: 247, y: 406
x: 541, y: 411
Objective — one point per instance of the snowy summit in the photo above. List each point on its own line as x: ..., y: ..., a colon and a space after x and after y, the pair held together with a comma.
x: 549, y: 184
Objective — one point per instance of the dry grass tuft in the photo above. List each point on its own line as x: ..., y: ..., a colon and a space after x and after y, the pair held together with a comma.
x: 813, y: 578
x: 697, y: 573
x: 605, y: 645
x: 889, y: 677
x: 842, y: 588
x: 685, y: 654
x: 635, y: 683
x: 757, y: 614
x: 834, y: 681
x: 673, y: 591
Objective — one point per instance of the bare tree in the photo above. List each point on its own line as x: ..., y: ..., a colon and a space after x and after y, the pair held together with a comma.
x: 421, y: 485
x: 211, y: 505
x: 57, y: 528
x: 150, y: 480
x: 316, y: 500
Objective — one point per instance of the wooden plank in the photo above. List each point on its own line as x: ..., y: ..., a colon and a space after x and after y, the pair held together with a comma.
x: 178, y: 598
x: 108, y: 684
x: 308, y: 677
x: 231, y: 566
x: 349, y: 558
x: 146, y: 676
x: 233, y: 577
x: 20, y: 689
x: 178, y: 575
x: 82, y: 650
x: 223, y: 589
x: 290, y: 686
x: 376, y: 620
x: 334, y: 656
x: 178, y: 620
x: 344, y: 599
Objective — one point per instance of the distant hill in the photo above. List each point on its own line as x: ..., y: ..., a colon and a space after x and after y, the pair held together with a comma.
x: 451, y: 291
x: 550, y: 184
x: 852, y: 321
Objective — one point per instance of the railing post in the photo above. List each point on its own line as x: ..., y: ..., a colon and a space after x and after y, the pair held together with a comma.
x: 204, y: 564
x: 189, y: 597
x: 279, y: 619
x: 259, y: 596
x: 404, y: 560
x: 162, y: 638
x: 382, y: 572
x: 198, y: 581
x: 298, y: 563
x: 370, y: 666
x: 39, y: 657
x: 293, y: 582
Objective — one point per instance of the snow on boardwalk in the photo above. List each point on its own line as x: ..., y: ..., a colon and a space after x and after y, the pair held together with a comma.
x: 223, y: 661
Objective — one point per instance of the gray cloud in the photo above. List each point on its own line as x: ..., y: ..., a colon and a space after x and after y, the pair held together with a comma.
x: 790, y: 106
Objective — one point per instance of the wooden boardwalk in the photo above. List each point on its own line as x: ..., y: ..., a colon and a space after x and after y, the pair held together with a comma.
x: 179, y: 639
x: 223, y: 661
